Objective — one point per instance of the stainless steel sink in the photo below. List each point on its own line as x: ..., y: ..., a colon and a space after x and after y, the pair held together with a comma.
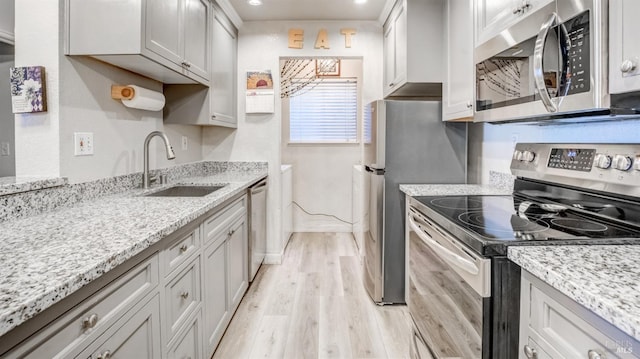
x: 185, y: 191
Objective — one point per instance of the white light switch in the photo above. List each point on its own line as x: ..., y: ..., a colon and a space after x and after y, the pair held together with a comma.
x: 83, y: 143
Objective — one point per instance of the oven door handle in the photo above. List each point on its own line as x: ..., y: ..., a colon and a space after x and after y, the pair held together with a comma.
x: 443, y: 252
x: 538, y: 71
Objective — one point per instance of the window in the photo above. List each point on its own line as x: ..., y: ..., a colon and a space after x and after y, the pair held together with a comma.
x: 324, y: 111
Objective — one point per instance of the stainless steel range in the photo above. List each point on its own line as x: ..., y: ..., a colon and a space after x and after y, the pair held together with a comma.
x: 464, y: 292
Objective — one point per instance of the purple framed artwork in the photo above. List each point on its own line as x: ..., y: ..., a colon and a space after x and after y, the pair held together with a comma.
x: 28, y: 89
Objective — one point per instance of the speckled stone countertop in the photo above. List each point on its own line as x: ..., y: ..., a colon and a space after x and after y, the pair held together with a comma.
x: 46, y: 257
x: 603, y: 279
x: 11, y: 185
x: 452, y: 190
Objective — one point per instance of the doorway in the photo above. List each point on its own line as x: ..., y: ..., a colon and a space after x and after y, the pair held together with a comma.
x: 321, y: 131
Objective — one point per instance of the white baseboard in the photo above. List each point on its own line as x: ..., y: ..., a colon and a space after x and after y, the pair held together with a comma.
x: 273, y: 258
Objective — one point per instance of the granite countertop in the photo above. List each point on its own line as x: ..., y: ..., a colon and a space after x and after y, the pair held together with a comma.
x: 46, y: 257
x: 602, y: 278
x: 452, y: 190
x: 11, y: 185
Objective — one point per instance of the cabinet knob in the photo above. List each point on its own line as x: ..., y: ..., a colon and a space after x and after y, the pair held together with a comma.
x: 105, y: 355
x: 231, y: 232
x: 627, y: 66
x: 517, y: 10
x: 184, y: 295
x: 592, y: 354
x: 530, y: 353
x: 90, y: 321
x: 469, y: 104
x: 391, y: 84
x: 183, y: 248
x: 213, y: 117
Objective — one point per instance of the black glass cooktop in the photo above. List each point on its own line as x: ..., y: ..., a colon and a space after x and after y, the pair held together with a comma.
x: 513, y: 219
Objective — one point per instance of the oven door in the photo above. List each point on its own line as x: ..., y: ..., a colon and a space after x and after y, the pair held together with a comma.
x: 449, y: 294
x: 548, y: 65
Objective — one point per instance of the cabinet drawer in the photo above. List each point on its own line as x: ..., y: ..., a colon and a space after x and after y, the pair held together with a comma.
x: 72, y: 332
x: 137, y: 335
x: 188, y: 345
x: 179, y: 251
x: 214, y: 224
x: 182, y: 297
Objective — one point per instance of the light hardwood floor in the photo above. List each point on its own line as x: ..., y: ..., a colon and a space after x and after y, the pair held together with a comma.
x: 313, y: 305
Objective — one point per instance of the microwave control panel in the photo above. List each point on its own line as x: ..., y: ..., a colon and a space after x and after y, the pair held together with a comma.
x: 578, y: 57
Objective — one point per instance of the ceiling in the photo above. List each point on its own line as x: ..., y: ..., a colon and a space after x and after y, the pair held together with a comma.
x: 309, y: 10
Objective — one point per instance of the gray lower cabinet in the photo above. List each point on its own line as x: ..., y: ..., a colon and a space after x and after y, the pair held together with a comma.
x: 174, y: 300
x: 136, y: 335
x: 226, y: 269
x: 552, y: 325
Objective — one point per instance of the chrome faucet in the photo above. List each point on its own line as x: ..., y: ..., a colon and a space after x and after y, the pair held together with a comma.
x: 146, y: 179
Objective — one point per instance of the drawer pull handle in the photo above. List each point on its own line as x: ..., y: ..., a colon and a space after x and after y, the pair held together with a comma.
x: 105, y: 355
x: 90, y: 321
x: 184, y: 295
x: 183, y: 248
x: 231, y: 232
x: 594, y: 354
x: 530, y: 353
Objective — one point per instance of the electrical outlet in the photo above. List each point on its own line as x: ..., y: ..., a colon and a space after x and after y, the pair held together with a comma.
x: 5, y: 149
x: 83, y: 143
x: 185, y: 143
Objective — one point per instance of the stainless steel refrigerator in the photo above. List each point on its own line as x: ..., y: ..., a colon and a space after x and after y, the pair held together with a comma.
x: 406, y: 142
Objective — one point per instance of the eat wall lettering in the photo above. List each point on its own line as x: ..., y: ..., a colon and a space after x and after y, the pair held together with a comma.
x: 296, y: 38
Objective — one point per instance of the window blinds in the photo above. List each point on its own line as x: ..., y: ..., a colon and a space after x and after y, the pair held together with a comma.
x: 325, y: 111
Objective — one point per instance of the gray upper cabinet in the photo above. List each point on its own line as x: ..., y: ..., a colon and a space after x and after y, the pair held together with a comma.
x: 7, y: 23
x: 166, y: 40
x: 457, y: 88
x: 215, y: 105
x: 624, y: 48
x: 224, y: 71
x: 412, y: 49
x: 493, y: 16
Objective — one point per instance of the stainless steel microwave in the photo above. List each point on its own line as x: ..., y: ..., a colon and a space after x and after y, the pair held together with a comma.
x: 551, y: 64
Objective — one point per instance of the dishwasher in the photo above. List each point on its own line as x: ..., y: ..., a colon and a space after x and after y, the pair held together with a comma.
x: 257, y: 226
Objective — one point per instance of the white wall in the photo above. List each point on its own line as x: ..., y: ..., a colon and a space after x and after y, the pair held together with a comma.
x: 491, y: 146
x: 7, y: 163
x: 258, y: 137
x: 78, y: 92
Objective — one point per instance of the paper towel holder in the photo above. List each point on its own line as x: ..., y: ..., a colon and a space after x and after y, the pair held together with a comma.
x: 122, y: 92
x: 137, y: 97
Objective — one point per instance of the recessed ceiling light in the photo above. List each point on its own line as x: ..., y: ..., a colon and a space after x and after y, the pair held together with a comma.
x: 255, y: 2
x: 359, y: 1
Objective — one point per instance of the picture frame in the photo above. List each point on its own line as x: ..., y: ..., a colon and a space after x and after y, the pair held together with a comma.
x: 327, y: 67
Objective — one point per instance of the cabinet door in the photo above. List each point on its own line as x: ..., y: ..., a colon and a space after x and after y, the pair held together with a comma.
x: 389, y: 49
x: 400, y: 53
x: 163, y: 29
x: 196, y: 37
x: 137, y: 336
x: 457, y: 89
x: 7, y: 23
x: 624, y: 47
x: 493, y: 16
x: 216, y: 313
x: 224, y: 73
x: 238, y: 262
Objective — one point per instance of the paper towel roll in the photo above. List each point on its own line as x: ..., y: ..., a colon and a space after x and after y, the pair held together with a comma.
x: 139, y: 97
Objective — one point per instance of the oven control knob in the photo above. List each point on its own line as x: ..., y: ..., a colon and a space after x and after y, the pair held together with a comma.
x: 528, y: 156
x: 602, y: 161
x: 622, y: 162
x: 517, y: 155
